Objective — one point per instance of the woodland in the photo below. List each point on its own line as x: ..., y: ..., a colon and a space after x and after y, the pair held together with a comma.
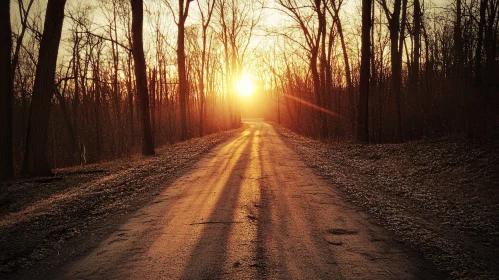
x: 87, y: 81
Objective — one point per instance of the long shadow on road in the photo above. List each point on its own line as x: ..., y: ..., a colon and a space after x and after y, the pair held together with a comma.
x: 286, y: 246
x: 210, y: 253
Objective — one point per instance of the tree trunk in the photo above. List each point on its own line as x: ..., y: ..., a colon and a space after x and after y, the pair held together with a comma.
x: 323, y: 75
x: 76, y: 98
x: 317, y: 85
x: 152, y: 100
x: 35, y: 157
x: 6, y: 93
x: 479, y: 45
x: 491, y: 38
x: 182, y: 77
x: 202, y: 92
x: 396, y: 63
x: 417, y: 45
x: 474, y: 113
x: 347, y: 67
x: 130, y: 99
x: 458, y: 45
x: 236, y: 117
x: 363, y: 127
x: 140, y: 76
x: 202, y: 86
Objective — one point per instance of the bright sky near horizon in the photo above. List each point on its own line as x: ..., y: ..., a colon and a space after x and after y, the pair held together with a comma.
x: 270, y: 16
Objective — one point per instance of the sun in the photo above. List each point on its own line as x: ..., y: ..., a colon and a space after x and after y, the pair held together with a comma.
x: 245, y: 86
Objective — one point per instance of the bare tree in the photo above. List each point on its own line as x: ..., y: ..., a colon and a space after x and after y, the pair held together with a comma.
x: 205, y: 22
x: 348, y: 73
x: 6, y: 93
x: 140, y: 75
x: 35, y: 157
x: 183, y: 12
x: 417, y: 45
x: 394, y: 27
x: 363, y: 127
x: 23, y: 12
x: 236, y: 25
x: 312, y: 32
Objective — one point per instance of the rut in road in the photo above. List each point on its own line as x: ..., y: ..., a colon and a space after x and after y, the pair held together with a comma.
x: 249, y: 209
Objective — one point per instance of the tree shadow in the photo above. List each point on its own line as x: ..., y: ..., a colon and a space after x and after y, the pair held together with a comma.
x: 210, y: 252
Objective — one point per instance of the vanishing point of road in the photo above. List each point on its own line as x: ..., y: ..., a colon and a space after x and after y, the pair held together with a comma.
x: 249, y: 209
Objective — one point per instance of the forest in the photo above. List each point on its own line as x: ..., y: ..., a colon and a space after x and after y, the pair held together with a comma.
x: 88, y: 81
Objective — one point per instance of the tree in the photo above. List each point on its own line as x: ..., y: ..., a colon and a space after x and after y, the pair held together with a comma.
x: 24, y: 25
x: 337, y: 21
x: 35, y: 157
x: 6, y: 93
x: 183, y: 12
x: 140, y: 76
x: 474, y: 112
x: 396, y: 57
x: 458, y: 45
x: 417, y: 45
x: 236, y: 25
x: 205, y: 21
x: 363, y: 128
x: 312, y: 33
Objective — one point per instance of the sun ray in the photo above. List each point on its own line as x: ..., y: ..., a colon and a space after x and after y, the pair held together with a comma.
x: 245, y: 86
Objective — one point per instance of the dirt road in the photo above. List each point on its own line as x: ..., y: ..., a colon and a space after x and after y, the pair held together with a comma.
x: 249, y: 209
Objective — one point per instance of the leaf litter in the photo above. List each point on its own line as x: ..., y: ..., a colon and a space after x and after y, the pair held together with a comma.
x: 438, y: 196
x: 39, y: 215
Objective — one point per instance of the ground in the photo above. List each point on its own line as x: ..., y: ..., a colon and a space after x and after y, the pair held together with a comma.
x: 256, y: 203
x: 438, y: 196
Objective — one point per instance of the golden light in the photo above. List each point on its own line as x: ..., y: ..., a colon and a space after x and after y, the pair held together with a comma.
x: 245, y: 86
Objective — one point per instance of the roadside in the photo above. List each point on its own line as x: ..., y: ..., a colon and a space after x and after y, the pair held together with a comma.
x: 39, y: 215
x: 440, y: 196
x: 248, y: 209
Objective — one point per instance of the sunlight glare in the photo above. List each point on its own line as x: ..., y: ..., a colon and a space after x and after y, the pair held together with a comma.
x: 245, y: 86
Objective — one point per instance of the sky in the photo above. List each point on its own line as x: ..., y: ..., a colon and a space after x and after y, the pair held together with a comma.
x: 270, y: 17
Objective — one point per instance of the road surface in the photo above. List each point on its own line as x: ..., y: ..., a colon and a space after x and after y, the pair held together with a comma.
x: 249, y: 209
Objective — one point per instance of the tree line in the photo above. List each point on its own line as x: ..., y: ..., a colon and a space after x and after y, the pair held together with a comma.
x: 81, y: 83
x: 402, y: 70
x: 100, y: 89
